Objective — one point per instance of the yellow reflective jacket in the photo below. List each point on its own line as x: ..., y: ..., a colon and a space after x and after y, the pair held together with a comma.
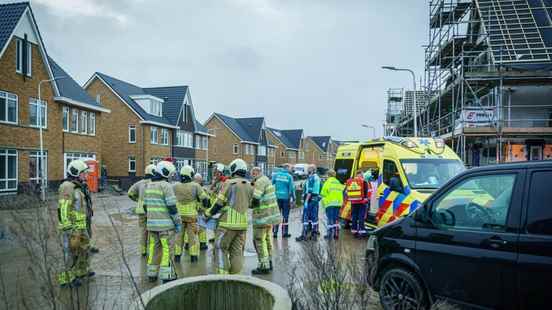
x: 71, y: 206
x: 332, y: 193
x: 187, y: 197
x: 236, y: 198
x: 136, y: 193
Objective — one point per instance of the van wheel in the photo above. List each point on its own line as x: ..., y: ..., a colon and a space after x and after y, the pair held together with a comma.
x: 401, y: 289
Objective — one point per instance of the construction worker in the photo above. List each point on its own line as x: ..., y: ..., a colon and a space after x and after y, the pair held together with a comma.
x: 188, y: 195
x: 136, y: 193
x: 265, y: 214
x: 162, y: 220
x: 311, y: 198
x: 285, y: 194
x: 72, y: 213
x: 332, y: 200
x: 357, y: 192
x: 233, y: 202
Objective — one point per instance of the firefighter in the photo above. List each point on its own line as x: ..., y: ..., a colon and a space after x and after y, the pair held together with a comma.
x: 219, y: 178
x: 72, y: 215
x: 202, y: 235
x: 332, y: 199
x: 188, y: 195
x: 136, y: 193
x: 285, y: 194
x: 233, y: 202
x: 265, y: 214
x: 162, y: 220
x: 357, y: 192
x: 311, y: 198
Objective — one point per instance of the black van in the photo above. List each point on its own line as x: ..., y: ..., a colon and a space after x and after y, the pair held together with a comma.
x: 484, y: 240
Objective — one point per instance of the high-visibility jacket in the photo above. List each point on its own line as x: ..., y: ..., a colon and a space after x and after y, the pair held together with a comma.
x: 235, y: 198
x: 332, y: 193
x: 283, y: 182
x: 267, y: 213
x: 136, y: 193
x: 160, y: 206
x: 187, y: 197
x: 357, y: 190
x: 71, y: 206
x: 216, y: 188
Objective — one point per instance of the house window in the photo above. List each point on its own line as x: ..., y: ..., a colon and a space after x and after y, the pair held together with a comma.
x: 205, y: 143
x: 74, y: 120
x: 155, y: 160
x: 65, y: 118
x: 19, y: 57
x: 156, y: 108
x: 291, y: 155
x: 282, y: 154
x: 83, y: 121
x: 131, y: 164
x: 8, y: 170
x: 99, y: 99
x: 261, y: 150
x: 271, y: 152
x: 188, y: 140
x: 301, y: 155
x: 36, y: 164
x: 72, y: 156
x: 131, y: 133
x: 198, y: 142
x: 235, y: 149
x: 8, y: 107
x: 38, y: 113
x: 153, y: 135
x: 321, y: 157
x: 164, y: 136
x: 91, y: 123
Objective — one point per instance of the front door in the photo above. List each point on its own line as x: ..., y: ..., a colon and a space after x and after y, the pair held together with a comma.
x: 535, y: 243
x: 535, y: 152
x: 469, y: 253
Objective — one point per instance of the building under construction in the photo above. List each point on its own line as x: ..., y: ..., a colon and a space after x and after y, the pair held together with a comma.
x: 488, y: 70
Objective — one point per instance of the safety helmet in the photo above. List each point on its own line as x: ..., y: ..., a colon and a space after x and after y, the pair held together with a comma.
x: 187, y: 171
x: 165, y: 169
x: 219, y: 167
x: 149, y: 169
x: 238, y: 165
x: 76, y: 167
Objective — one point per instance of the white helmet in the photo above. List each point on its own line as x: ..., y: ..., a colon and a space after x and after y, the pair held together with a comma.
x: 76, y: 167
x: 165, y: 169
x: 149, y: 169
x: 219, y: 167
x: 187, y: 171
x: 238, y: 165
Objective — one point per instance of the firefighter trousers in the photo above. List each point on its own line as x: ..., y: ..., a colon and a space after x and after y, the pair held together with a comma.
x: 189, y: 234
x: 75, y: 256
x: 229, y: 247
x: 263, y: 245
x: 160, y: 255
x: 143, y: 233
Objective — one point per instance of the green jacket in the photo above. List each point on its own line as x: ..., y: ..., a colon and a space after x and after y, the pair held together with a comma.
x: 332, y: 193
x: 267, y: 213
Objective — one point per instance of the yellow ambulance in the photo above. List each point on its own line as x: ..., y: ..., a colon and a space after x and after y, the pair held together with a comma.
x: 405, y: 172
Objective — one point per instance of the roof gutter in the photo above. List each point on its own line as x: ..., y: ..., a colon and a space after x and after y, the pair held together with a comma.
x: 204, y: 133
x: 159, y: 124
x: 81, y: 104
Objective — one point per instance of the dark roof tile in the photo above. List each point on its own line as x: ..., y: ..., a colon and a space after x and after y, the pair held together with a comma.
x: 9, y: 17
x: 68, y: 87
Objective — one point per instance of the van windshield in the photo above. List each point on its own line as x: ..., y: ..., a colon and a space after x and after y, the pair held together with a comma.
x: 343, y: 168
x: 430, y: 173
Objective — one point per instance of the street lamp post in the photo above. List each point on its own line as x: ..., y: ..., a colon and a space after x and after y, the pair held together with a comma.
x: 40, y: 125
x: 415, y: 108
x: 370, y: 127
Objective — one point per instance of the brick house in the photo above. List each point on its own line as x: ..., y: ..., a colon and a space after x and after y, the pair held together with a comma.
x: 146, y: 125
x: 244, y: 138
x: 289, y: 145
x: 68, y: 116
x: 320, y: 150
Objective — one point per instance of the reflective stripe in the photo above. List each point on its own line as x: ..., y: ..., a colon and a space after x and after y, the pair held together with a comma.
x: 165, y: 254
x: 187, y: 209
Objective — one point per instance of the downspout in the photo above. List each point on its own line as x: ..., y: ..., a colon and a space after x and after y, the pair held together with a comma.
x: 143, y: 148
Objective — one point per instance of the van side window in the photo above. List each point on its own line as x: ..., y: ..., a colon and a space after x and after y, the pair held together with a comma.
x: 539, y: 213
x: 389, y: 171
x: 477, y: 203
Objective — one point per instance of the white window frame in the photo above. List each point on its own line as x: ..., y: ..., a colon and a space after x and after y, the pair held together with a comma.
x: 155, y: 160
x: 164, y: 136
x: 179, y: 138
x: 130, y: 129
x: 205, y: 143
x: 10, y: 153
x: 235, y: 149
x: 261, y: 150
x: 92, y: 123
x: 66, y: 118
x: 154, y: 137
x: 197, y: 142
x: 301, y: 155
x: 7, y: 96
x: 30, y: 59
x: 34, y: 103
x: 74, y: 112
x: 19, y: 57
x: 84, y: 122
x: 68, y: 157
x: 44, y: 160
x: 132, y: 159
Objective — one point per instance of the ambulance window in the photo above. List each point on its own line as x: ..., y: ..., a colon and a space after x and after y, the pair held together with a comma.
x: 389, y: 169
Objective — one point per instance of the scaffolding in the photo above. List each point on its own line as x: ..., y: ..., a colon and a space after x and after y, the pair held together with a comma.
x: 484, y: 59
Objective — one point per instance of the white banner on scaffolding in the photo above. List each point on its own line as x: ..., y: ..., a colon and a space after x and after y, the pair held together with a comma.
x: 481, y: 117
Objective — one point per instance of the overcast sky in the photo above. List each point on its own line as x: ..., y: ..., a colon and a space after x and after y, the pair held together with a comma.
x: 312, y: 64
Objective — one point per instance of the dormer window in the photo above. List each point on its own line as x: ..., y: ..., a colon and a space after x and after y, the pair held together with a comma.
x: 23, y: 57
x: 151, y: 104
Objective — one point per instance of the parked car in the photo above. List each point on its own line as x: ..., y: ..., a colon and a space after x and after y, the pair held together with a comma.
x: 491, y: 250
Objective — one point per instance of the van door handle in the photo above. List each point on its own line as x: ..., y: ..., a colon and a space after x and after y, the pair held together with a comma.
x: 496, y: 242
